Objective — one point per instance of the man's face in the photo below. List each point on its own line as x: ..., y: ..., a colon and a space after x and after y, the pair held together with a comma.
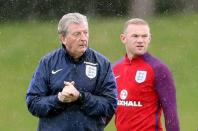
x: 136, y: 39
x: 76, y: 39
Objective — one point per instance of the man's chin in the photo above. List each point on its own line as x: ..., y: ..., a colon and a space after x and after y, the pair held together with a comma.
x: 141, y: 53
x: 82, y: 51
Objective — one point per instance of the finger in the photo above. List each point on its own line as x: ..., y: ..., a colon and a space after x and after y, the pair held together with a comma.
x: 66, y: 82
x: 60, y: 97
x: 73, y: 83
x: 66, y: 94
x: 69, y: 95
x: 68, y: 98
x: 59, y: 93
x: 69, y: 83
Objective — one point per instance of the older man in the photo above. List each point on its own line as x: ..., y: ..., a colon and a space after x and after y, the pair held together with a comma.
x: 73, y: 87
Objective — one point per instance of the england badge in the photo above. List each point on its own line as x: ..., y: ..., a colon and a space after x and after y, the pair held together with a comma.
x: 91, y: 71
x: 140, y: 76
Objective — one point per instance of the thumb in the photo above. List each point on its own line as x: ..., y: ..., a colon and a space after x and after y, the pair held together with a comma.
x: 73, y: 83
x: 66, y: 83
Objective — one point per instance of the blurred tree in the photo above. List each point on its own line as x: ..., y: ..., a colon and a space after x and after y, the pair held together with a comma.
x: 142, y: 8
x: 112, y: 7
x: 190, y: 5
x: 168, y: 6
x: 13, y: 9
x: 52, y: 9
x: 91, y: 7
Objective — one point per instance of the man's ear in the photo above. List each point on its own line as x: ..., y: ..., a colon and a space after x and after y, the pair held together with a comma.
x: 123, y: 38
x: 150, y: 38
x: 63, y: 39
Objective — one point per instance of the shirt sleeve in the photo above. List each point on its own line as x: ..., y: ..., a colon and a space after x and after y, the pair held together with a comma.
x: 167, y: 95
x: 103, y: 101
x: 38, y: 101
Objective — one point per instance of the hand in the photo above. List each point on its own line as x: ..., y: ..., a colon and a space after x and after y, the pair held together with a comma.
x: 69, y: 93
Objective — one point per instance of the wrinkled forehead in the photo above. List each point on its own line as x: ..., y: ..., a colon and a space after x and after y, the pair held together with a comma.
x: 83, y: 26
x: 137, y: 29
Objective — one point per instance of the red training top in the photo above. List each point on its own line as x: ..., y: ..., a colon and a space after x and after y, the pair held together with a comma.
x: 145, y: 87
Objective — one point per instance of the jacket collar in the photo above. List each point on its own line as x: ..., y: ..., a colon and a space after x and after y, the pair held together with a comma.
x: 127, y: 61
x: 81, y: 59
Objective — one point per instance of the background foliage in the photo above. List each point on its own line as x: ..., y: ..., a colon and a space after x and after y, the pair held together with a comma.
x: 52, y: 9
x: 23, y: 43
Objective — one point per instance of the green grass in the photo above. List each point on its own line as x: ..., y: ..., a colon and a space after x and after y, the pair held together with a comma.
x: 22, y: 44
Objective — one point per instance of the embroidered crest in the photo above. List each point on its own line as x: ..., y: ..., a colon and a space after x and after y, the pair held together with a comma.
x: 123, y: 94
x: 91, y: 71
x: 140, y: 76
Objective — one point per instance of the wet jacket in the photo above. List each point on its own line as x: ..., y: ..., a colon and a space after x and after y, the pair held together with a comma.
x: 93, y: 77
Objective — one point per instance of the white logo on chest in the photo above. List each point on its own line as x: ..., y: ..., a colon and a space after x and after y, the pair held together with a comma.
x: 54, y: 72
x: 123, y: 94
x: 127, y: 103
x: 91, y: 70
x: 140, y: 76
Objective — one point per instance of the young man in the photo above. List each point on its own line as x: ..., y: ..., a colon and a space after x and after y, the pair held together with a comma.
x: 73, y: 87
x: 145, y: 84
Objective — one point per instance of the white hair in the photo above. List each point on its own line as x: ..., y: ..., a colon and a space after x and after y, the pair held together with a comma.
x: 68, y: 19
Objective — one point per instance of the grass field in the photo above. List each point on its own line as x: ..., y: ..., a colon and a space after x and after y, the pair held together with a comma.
x: 174, y: 40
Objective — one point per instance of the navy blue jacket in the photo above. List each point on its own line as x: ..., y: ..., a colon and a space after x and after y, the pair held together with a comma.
x: 93, y: 77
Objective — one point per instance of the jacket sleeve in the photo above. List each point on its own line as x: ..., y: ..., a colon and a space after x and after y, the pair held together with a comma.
x: 167, y: 95
x: 38, y: 101
x: 103, y: 102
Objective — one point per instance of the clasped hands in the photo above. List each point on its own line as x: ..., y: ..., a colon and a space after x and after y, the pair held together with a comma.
x: 69, y: 93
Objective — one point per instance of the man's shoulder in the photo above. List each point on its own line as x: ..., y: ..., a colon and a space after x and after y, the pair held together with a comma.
x: 53, y: 54
x: 156, y: 63
x: 118, y: 63
x: 93, y: 54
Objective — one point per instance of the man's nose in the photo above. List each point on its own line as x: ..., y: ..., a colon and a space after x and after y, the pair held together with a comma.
x: 140, y: 39
x: 83, y: 36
